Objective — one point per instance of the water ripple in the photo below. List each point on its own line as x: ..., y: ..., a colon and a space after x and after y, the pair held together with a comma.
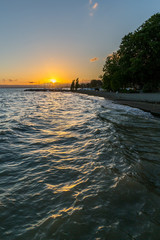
x: 77, y: 167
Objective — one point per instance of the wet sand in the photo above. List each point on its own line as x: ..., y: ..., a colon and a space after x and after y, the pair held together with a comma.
x: 149, y: 102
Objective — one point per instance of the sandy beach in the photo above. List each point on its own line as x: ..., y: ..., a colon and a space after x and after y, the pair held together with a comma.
x: 149, y: 102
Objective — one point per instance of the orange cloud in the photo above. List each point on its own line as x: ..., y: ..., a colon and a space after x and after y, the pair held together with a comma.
x: 92, y: 7
x: 95, y: 5
x: 94, y: 59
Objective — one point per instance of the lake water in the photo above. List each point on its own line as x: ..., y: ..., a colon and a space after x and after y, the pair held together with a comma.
x: 77, y: 167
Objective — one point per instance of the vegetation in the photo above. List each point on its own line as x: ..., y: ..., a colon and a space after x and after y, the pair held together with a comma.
x: 77, y: 84
x: 137, y: 63
x: 96, y: 84
x: 74, y: 85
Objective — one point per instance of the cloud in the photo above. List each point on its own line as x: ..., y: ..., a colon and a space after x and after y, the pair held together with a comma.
x: 92, y: 7
x: 94, y: 59
x: 91, y: 14
x: 12, y: 80
x: 95, y: 6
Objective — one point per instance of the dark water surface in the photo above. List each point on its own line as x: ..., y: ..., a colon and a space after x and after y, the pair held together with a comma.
x: 77, y: 167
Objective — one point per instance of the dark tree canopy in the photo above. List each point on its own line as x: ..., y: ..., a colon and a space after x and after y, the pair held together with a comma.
x: 96, y: 84
x: 137, y: 62
x: 77, y: 84
x: 74, y: 85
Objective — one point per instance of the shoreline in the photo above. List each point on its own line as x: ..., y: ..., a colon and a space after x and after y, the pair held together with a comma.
x: 148, y: 102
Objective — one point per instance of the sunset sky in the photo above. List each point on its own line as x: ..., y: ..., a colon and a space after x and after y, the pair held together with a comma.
x: 64, y: 39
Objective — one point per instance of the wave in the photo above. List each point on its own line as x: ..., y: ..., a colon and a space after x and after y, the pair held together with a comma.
x: 77, y: 167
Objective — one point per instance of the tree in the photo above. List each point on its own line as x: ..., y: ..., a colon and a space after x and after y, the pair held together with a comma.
x: 96, y: 83
x: 72, y: 85
x: 139, y: 53
x: 77, y: 84
x: 112, y: 74
x: 92, y: 84
x: 137, y: 61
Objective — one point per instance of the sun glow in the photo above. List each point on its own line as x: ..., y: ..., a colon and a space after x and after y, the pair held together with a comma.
x: 53, y: 80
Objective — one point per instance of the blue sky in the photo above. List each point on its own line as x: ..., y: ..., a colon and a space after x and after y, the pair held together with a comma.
x: 64, y: 39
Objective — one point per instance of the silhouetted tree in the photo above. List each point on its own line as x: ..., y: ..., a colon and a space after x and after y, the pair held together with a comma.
x: 92, y: 84
x: 137, y: 61
x: 96, y: 83
x: 112, y: 73
x: 72, y: 85
x: 77, y: 84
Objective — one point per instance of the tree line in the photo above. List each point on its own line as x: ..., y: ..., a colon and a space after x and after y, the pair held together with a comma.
x: 75, y: 85
x: 96, y: 84
x: 137, y: 62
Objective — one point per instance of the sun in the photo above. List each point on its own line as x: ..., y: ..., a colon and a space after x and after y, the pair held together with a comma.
x: 53, y: 80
